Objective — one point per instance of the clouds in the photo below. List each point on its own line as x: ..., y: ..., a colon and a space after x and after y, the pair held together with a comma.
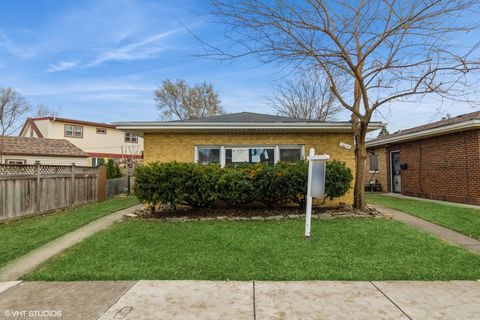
x: 61, y: 66
x: 142, y: 49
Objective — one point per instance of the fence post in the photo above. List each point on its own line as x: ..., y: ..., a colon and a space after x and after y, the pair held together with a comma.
x: 101, y: 183
x: 72, y: 186
x: 38, y: 186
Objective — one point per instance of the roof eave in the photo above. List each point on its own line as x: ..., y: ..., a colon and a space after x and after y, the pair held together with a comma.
x: 457, y: 127
x: 142, y: 127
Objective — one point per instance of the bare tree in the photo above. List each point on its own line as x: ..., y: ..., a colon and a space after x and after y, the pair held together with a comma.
x: 13, y: 108
x: 43, y: 110
x: 389, y: 50
x: 307, y: 97
x: 178, y: 100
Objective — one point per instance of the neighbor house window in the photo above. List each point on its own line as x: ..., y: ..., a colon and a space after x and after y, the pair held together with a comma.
x: 373, y: 162
x: 131, y: 138
x: 101, y: 131
x: 208, y: 155
x: 15, y: 161
x: 73, y: 131
x: 234, y: 155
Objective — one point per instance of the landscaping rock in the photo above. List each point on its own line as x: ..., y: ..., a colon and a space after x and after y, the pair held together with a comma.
x: 258, y: 218
x: 293, y: 216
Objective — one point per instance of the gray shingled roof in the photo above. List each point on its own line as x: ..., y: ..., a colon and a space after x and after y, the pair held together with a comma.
x: 433, y: 125
x: 40, y: 146
x: 246, y: 117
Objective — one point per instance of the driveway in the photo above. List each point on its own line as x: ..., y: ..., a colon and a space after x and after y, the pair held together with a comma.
x: 138, y: 300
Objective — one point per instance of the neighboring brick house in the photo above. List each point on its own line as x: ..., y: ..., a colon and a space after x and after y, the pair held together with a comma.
x: 440, y: 160
x: 22, y: 150
x: 245, y: 137
x: 99, y: 140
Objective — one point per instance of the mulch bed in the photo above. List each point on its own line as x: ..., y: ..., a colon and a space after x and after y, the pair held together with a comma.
x: 249, y: 213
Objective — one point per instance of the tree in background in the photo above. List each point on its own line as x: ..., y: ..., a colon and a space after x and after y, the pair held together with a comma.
x: 43, y: 110
x: 113, y: 170
x: 13, y: 108
x: 383, y: 132
x: 307, y: 97
x: 388, y: 50
x: 178, y: 100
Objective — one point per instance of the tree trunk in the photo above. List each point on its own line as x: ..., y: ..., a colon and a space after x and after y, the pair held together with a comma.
x: 360, y: 166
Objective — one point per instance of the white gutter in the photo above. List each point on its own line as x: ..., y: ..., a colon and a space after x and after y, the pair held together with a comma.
x: 171, y: 126
x: 462, y: 126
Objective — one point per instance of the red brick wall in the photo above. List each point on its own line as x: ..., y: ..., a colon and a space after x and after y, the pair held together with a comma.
x: 442, y: 168
x: 381, y: 175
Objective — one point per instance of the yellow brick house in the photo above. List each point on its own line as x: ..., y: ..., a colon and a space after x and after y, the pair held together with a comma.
x: 245, y: 137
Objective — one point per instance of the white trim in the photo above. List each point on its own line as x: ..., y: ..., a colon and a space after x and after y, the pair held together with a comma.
x: 195, y: 156
x: 155, y: 126
x: 276, y: 148
x: 462, y: 126
x: 222, y: 156
x: 276, y: 154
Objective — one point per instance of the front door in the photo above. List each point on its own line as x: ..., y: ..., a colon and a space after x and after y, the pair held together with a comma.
x: 395, y: 171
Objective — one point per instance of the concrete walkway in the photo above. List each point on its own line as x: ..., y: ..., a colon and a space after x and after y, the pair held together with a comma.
x: 28, y: 262
x: 443, y: 233
x: 128, y: 300
x: 448, y: 203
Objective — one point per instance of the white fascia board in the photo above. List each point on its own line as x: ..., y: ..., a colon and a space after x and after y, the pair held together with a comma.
x: 153, y: 126
x: 462, y: 126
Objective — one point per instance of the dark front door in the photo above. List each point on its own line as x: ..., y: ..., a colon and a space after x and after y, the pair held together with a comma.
x: 395, y: 170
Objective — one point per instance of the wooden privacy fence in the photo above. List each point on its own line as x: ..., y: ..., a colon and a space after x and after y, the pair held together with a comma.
x: 32, y: 189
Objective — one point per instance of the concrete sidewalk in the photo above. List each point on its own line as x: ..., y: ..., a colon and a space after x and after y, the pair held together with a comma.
x: 449, y: 235
x: 21, y: 266
x: 105, y: 300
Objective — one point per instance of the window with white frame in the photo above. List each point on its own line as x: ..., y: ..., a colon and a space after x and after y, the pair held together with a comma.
x: 234, y: 155
x: 208, y: 155
x: 73, y: 131
x: 131, y: 138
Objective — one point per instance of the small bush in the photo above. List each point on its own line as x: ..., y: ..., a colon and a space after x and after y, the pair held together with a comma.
x: 200, y: 185
x: 338, y: 179
x: 236, y: 186
x: 113, y: 170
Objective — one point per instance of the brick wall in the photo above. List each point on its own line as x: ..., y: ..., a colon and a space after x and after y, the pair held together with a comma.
x: 381, y: 175
x: 180, y: 146
x: 442, y: 168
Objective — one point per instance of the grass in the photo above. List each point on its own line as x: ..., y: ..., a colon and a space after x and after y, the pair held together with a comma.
x: 463, y: 220
x: 340, y: 249
x: 22, y: 236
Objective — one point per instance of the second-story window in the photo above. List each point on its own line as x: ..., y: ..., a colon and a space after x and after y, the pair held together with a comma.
x: 129, y: 137
x: 73, y: 131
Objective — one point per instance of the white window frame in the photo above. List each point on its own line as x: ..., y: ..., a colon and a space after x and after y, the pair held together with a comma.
x: 276, y: 148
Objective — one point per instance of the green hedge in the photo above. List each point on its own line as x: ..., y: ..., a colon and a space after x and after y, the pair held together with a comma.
x: 200, y: 185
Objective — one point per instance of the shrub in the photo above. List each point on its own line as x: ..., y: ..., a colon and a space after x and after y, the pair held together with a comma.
x: 338, y: 179
x: 113, y: 170
x: 236, y: 186
x: 200, y: 185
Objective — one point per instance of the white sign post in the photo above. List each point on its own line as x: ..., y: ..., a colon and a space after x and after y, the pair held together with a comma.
x: 316, y: 184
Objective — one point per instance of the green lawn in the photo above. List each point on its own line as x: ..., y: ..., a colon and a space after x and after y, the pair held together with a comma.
x: 464, y: 220
x: 22, y: 236
x: 340, y: 249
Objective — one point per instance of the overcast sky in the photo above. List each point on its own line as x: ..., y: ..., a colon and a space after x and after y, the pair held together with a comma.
x: 102, y: 60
